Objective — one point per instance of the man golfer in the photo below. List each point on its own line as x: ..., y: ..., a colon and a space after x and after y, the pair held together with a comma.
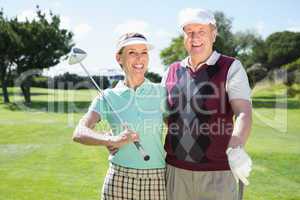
x: 209, y: 120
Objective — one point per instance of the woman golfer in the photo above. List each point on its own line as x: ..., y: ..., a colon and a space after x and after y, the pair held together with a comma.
x: 138, y: 102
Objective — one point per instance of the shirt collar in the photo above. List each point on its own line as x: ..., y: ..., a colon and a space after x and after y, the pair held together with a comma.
x: 213, y: 58
x: 122, y: 87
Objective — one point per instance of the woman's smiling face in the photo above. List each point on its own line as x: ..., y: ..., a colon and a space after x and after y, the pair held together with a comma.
x: 134, y: 60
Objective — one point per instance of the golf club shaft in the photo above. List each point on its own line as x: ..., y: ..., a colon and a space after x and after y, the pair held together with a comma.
x: 137, y: 144
x: 91, y: 78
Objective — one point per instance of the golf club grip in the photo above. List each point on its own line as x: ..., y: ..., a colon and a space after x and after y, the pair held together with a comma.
x: 141, y: 150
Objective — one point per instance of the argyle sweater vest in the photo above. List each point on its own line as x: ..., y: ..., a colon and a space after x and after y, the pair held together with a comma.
x: 200, y: 121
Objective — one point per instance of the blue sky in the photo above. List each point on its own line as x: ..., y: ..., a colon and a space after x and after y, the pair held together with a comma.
x: 97, y: 24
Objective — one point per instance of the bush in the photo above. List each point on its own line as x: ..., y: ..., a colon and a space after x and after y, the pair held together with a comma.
x: 256, y: 73
x: 292, y: 69
x: 40, y: 81
x: 153, y: 77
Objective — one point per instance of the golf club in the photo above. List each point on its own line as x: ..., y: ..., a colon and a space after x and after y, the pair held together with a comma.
x: 76, y: 56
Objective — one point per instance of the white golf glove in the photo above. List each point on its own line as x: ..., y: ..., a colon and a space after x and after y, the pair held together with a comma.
x: 240, y: 163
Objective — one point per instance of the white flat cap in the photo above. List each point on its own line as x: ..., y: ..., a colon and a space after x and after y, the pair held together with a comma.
x: 195, y: 16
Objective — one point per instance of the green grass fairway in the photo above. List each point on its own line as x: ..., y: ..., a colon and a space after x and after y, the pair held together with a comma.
x: 39, y: 161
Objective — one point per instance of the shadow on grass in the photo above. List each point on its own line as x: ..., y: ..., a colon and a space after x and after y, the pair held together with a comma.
x: 53, y: 106
x: 275, y: 102
x: 20, y: 93
x: 82, y: 106
x: 273, y: 97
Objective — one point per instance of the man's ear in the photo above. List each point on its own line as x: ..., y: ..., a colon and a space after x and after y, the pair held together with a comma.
x: 215, y: 33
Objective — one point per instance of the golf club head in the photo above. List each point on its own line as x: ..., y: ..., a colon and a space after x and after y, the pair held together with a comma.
x: 76, y: 56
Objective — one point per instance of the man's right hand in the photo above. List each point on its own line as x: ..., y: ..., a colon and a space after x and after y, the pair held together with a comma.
x: 240, y: 163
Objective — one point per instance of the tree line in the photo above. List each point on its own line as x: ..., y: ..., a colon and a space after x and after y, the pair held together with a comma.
x: 73, y: 81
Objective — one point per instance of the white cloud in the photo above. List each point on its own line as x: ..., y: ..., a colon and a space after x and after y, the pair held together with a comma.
x: 65, y: 22
x: 294, y: 29
x: 27, y: 14
x: 81, y: 30
x: 31, y: 15
x: 158, y: 35
x: 57, y: 4
x: 133, y: 26
x: 293, y: 25
x: 292, y: 22
x: 260, y: 27
x: 164, y: 34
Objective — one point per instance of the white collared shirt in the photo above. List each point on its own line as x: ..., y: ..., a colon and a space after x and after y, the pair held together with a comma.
x: 237, y: 84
